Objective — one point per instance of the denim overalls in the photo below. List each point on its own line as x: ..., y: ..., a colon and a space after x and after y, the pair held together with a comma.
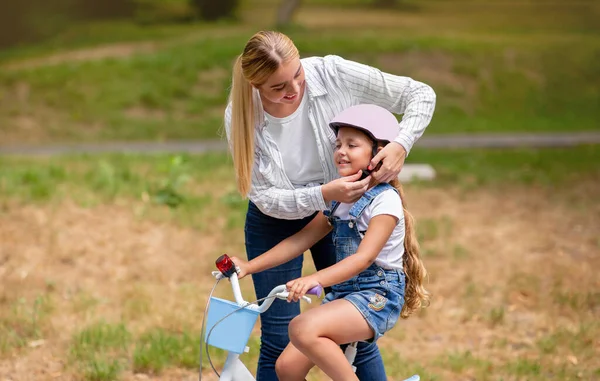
x: 376, y: 292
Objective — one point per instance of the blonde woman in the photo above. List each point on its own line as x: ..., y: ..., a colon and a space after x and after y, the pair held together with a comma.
x: 277, y: 127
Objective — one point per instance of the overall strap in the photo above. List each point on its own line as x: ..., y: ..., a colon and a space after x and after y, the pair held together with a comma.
x: 359, y: 207
x: 329, y: 212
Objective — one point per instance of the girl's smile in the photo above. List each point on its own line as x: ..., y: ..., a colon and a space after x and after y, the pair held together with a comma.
x: 353, y: 150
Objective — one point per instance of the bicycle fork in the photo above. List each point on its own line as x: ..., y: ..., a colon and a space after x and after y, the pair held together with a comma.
x: 234, y: 369
x: 350, y: 354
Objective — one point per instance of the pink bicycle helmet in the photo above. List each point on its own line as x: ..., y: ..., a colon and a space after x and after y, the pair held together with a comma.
x: 378, y: 123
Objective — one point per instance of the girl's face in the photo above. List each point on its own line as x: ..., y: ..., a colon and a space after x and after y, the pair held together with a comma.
x: 286, y: 85
x: 353, y: 150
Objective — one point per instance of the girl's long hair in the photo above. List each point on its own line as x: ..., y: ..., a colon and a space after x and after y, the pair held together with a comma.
x: 262, y: 56
x: 416, y: 296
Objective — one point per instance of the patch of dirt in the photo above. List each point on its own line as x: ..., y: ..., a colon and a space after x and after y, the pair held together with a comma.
x: 28, y: 121
x: 436, y: 69
x: 434, y: 63
x: 145, y: 113
x: 484, y: 250
x: 103, y: 263
x: 210, y: 81
x: 517, y: 247
x: 321, y: 18
x: 122, y: 50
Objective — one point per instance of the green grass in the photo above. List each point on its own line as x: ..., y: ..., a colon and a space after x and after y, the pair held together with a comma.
x: 176, y: 184
x: 395, y: 364
x: 519, y: 72
x: 182, y: 184
x: 576, y: 301
x: 102, y: 351
x: 179, y: 189
x: 158, y: 349
x: 579, y: 341
x: 472, y: 168
x: 24, y: 321
x: 95, y: 33
x: 459, y: 362
x: 496, y: 316
x: 98, y: 351
x: 469, y: 365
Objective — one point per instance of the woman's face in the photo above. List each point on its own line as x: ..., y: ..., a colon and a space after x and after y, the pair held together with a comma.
x: 286, y: 85
x: 353, y: 150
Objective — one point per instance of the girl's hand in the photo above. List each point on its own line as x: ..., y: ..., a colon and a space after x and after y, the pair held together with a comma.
x: 392, y: 155
x: 346, y: 189
x: 242, y: 267
x: 298, y: 287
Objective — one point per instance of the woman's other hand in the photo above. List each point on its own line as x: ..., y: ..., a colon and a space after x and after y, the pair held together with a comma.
x: 346, y: 189
x: 392, y: 159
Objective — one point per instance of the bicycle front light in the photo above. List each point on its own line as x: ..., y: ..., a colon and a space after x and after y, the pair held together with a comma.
x: 225, y: 265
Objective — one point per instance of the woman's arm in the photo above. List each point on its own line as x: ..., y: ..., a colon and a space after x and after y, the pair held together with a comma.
x: 274, y: 201
x: 291, y: 204
x: 400, y: 95
x: 287, y: 249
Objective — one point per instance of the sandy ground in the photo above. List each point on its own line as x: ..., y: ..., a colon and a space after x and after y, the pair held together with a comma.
x: 512, y: 250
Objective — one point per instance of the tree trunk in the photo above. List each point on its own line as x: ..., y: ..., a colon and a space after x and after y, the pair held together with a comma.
x: 286, y: 11
x: 385, y: 3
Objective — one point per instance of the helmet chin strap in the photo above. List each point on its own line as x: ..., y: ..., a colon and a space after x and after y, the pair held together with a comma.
x: 366, y: 172
x: 375, y: 148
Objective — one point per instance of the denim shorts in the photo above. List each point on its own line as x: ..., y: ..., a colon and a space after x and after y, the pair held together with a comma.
x: 378, y: 295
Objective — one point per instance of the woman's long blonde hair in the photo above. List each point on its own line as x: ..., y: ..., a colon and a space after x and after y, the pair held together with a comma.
x: 416, y: 296
x: 262, y: 56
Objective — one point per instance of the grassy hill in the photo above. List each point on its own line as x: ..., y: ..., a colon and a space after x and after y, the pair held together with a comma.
x: 499, y: 66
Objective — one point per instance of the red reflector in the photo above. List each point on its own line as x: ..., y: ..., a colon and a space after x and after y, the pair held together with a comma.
x: 225, y: 265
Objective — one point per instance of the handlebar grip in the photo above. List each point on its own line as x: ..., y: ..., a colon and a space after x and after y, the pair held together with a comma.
x: 317, y: 290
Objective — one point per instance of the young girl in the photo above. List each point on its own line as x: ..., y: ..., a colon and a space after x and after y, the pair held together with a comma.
x: 378, y: 274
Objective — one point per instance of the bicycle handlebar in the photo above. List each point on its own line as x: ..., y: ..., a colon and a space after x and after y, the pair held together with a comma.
x: 279, y: 292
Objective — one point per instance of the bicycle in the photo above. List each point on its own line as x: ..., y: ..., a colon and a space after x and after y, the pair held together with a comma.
x: 229, y: 324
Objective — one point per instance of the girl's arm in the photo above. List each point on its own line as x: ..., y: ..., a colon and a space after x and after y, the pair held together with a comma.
x: 379, y: 231
x: 287, y: 249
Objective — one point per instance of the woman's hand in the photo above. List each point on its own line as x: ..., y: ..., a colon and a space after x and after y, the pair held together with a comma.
x: 392, y: 157
x: 346, y: 189
x: 298, y: 287
x: 242, y: 267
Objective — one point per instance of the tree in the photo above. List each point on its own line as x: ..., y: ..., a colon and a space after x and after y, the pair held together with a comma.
x: 211, y: 10
x: 286, y: 11
x: 385, y: 3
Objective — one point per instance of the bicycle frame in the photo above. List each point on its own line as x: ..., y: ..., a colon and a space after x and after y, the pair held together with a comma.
x: 234, y: 369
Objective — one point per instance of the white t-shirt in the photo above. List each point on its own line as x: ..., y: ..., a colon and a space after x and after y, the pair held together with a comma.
x: 387, y: 202
x: 297, y: 144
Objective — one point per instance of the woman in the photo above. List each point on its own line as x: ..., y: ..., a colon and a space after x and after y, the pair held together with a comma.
x: 277, y: 124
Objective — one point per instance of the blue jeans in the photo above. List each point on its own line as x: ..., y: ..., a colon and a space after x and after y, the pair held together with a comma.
x: 262, y: 233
